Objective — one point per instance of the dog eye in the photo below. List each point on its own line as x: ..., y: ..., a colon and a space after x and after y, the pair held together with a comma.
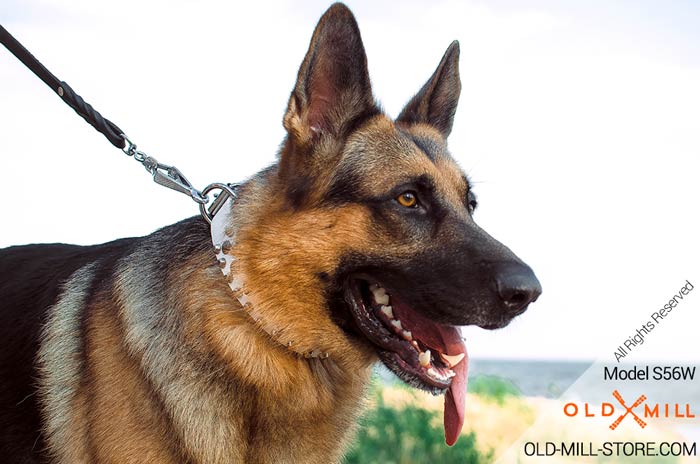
x: 471, y: 202
x: 408, y: 199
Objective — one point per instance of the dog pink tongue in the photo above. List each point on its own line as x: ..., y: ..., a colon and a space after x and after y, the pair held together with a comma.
x: 454, y: 401
x: 446, y: 340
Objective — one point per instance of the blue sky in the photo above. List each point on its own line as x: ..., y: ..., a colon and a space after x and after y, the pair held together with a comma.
x: 578, y: 121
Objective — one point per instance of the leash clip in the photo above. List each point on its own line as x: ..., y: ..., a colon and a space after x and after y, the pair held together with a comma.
x: 167, y: 176
x: 172, y: 178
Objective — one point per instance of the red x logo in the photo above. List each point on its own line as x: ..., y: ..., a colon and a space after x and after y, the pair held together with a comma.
x: 628, y: 410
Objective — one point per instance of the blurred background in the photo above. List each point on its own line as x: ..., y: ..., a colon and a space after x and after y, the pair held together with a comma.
x: 578, y: 122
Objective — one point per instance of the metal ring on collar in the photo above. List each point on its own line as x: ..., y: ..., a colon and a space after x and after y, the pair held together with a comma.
x: 227, y: 191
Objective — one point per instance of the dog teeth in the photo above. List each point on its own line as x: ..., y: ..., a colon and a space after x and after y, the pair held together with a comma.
x: 415, y: 344
x: 388, y: 311
x: 380, y: 295
x: 434, y: 373
x: 452, y: 360
x: 382, y: 299
x: 407, y: 335
x: 424, y: 359
x: 397, y: 324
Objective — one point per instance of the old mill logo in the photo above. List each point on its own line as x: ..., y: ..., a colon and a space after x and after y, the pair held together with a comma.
x: 640, y: 410
x: 628, y: 410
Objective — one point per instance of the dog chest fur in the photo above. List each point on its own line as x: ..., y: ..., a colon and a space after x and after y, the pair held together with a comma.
x: 133, y: 363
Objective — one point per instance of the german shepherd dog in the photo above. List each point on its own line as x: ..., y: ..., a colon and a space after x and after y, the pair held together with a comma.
x: 357, y: 245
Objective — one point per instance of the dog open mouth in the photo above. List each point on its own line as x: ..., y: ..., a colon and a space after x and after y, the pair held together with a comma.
x: 420, y: 352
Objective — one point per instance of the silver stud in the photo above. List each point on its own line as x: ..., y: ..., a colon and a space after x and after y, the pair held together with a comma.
x: 217, y: 249
x: 243, y: 299
x: 222, y: 263
x: 226, y: 246
x: 236, y: 284
x: 60, y: 91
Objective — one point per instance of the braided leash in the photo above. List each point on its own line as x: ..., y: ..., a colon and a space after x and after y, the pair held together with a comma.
x: 167, y: 176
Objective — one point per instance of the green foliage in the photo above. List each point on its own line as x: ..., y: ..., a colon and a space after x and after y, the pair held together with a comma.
x: 493, y: 388
x: 409, y: 435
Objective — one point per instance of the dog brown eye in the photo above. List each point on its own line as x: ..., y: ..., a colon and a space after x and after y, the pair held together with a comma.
x: 407, y: 199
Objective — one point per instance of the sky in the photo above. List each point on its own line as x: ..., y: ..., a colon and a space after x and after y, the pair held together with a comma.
x: 578, y: 122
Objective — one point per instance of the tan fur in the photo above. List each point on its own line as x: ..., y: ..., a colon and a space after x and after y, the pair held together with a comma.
x: 126, y: 424
x: 387, y: 156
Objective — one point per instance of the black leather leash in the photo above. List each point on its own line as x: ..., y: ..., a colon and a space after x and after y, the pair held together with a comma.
x: 106, y: 127
x: 167, y: 176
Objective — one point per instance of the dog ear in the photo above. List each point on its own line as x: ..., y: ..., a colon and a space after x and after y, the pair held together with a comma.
x: 333, y: 88
x: 436, y: 102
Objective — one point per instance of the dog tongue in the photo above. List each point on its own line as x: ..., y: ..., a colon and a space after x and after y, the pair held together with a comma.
x: 454, y: 401
x: 446, y: 340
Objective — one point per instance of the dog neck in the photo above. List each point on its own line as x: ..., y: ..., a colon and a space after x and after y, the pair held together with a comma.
x: 224, y: 228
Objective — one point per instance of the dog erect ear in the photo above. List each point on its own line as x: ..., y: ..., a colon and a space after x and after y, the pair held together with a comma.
x: 436, y: 102
x: 333, y: 87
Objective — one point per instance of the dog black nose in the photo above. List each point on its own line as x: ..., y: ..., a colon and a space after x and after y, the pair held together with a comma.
x: 517, y: 286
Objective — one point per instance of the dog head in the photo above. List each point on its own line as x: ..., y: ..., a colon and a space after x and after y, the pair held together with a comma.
x: 362, y: 241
